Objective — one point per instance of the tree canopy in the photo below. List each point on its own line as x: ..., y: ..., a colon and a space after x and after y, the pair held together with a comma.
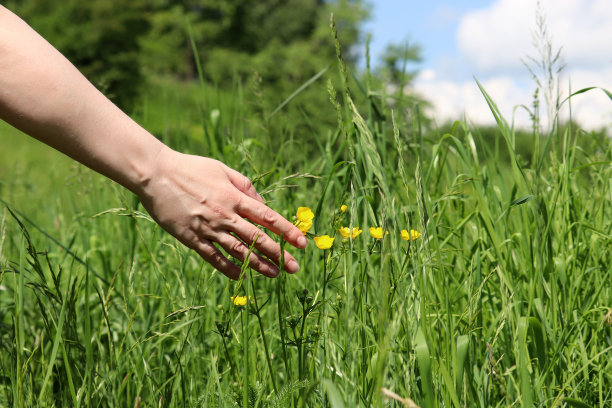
x: 116, y: 44
x: 100, y: 37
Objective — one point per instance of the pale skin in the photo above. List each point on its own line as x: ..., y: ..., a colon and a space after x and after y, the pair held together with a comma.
x: 202, y: 202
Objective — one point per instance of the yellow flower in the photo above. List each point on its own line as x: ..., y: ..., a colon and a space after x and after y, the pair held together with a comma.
x: 413, y: 235
x: 305, y: 214
x: 239, y: 300
x: 343, y: 208
x: 304, y: 219
x: 377, y: 232
x: 347, y: 233
x: 304, y: 226
x: 324, y: 241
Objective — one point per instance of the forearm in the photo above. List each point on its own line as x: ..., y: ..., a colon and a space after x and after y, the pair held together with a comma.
x: 198, y: 200
x: 45, y: 96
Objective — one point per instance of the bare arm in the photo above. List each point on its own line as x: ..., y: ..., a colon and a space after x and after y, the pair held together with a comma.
x: 198, y: 200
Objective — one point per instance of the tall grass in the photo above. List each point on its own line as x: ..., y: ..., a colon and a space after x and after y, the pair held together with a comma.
x: 504, y: 300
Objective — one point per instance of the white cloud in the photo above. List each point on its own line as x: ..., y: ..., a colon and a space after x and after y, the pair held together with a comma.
x: 498, y: 37
x: 463, y: 100
x: 594, y: 108
x: 495, y: 40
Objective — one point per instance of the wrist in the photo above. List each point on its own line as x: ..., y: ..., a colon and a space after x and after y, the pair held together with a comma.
x: 145, y: 166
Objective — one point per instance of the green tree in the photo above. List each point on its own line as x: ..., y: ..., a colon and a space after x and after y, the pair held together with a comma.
x: 280, y: 43
x: 232, y: 35
x: 396, y: 61
x: 99, y: 37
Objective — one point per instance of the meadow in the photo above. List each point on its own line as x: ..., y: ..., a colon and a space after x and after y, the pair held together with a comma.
x: 502, y: 297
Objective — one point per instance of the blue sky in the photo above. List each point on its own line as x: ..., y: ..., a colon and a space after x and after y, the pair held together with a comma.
x: 430, y: 24
x: 489, y: 40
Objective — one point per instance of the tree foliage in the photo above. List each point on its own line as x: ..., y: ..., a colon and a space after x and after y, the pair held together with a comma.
x: 99, y: 37
x: 276, y: 45
x: 270, y: 46
x: 232, y: 32
x: 396, y: 60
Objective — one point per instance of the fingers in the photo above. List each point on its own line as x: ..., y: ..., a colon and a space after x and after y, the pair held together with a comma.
x: 207, y: 214
x: 213, y: 256
x: 255, y: 210
x: 250, y: 234
x: 243, y: 184
x: 240, y: 250
x: 266, y: 217
x: 252, y: 206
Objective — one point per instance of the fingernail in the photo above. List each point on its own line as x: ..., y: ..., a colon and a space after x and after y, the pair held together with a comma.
x: 302, y: 242
x: 292, y: 266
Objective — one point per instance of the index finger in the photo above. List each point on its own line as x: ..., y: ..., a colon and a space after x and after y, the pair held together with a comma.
x: 242, y: 183
x: 263, y: 215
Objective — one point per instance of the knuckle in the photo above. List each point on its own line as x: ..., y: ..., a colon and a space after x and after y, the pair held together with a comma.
x: 186, y: 235
x: 231, y: 196
x: 237, y: 247
x: 219, y: 217
x: 218, y: 211
x: 230, y: 193
x: 217, y: 259
x: 205, y: 249
x: 269, y: 215
x: 247, y: 184
x: 234, y: 219
x: 195, y: 225
x: 256, y: 236
x: 236, y: 198
x: 254, y: 263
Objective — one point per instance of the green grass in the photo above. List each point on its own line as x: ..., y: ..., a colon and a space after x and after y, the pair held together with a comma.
x: 505, y: 299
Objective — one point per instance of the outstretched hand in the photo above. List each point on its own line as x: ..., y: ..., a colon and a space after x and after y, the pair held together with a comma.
x: 201, y: 201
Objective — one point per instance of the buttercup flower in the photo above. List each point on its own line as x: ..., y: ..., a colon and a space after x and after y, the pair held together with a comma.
x: 304, y: 219
x: 304, y: 226
x: 413, y: 235
x: 343, y: 208
x: 347, y: 233
x: 239, y: 300
x: 377, y: 232
x: 324, y: 241
x: 304, y: 214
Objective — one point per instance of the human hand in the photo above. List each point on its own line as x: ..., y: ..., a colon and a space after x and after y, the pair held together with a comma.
x: 201, y: 201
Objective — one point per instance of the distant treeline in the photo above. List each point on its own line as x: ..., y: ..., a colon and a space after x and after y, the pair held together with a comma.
x: 117, y: 44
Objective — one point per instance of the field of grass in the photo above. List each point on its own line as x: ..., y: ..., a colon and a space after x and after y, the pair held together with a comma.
x: 505, y: 298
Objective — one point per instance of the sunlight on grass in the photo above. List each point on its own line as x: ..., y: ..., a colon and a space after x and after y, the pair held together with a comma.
x: 445, y: 269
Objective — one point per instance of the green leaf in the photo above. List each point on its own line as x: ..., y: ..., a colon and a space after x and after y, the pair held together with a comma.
x: 576, y: 403
x: 333, y: 394
x: 56, y: 343
x: 424, y: 363
x: 463, y: 343
x: 537, y: 334
x: 299, y: 90
x: 524, y: 365
x: 583, y: 90
x: 522, y: 200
